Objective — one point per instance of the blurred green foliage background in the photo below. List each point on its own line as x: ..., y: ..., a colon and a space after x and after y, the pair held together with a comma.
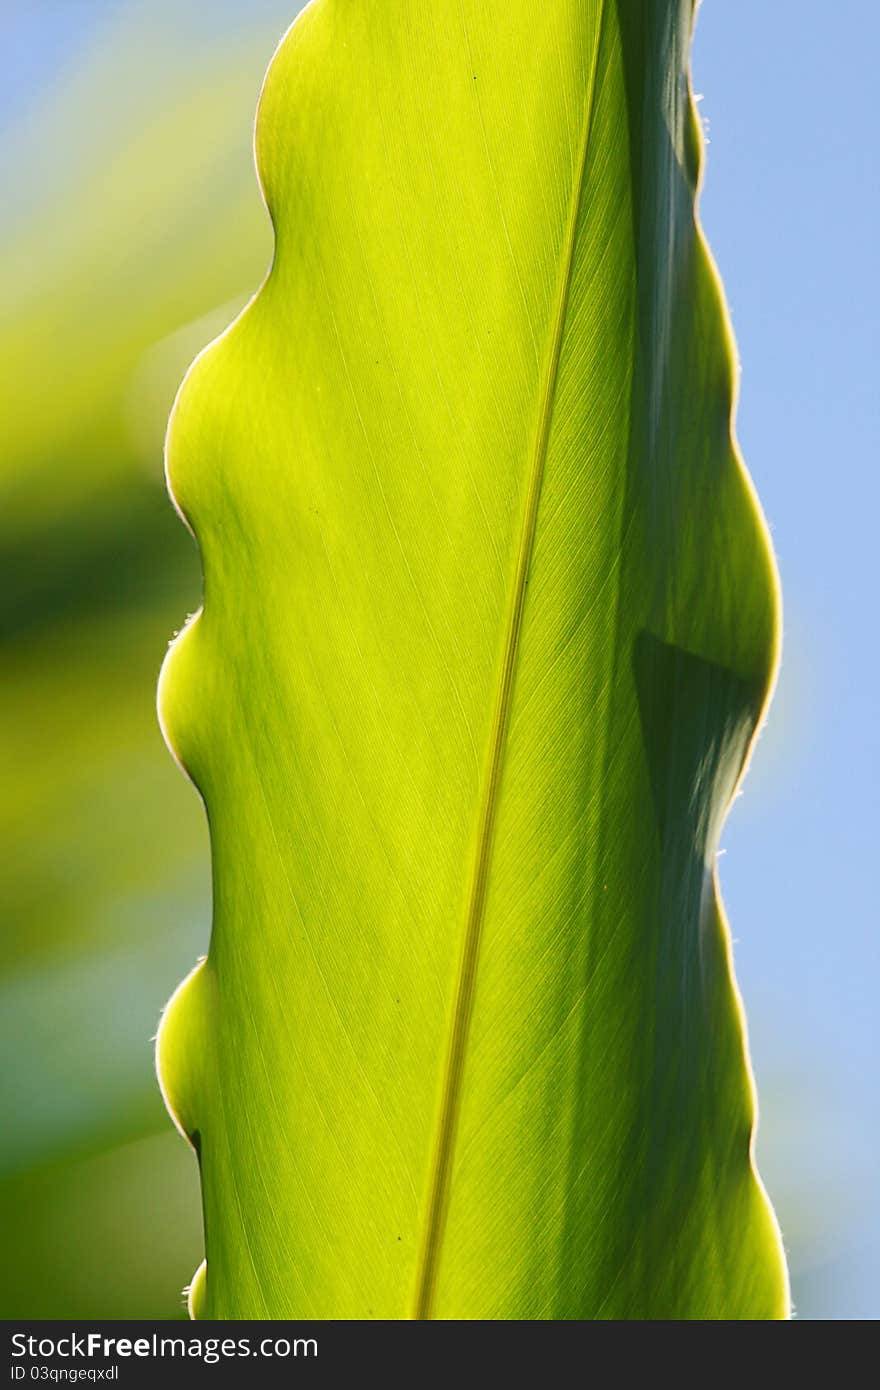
x: 130, y: 232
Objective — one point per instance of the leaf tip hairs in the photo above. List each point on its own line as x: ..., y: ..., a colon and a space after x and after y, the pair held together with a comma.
x: 179, y: 1040
x: 195, y: 1293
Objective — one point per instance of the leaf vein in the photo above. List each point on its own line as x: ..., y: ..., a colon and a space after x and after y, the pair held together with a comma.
x: 441, y: 1172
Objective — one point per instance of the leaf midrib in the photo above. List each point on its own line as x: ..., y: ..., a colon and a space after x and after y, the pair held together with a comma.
x: 441, y: 1169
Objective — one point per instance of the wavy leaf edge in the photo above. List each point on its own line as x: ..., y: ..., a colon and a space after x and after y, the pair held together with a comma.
x: 180, y: 1036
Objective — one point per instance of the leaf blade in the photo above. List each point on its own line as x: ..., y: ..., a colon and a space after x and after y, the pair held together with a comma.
x: 429, y: 581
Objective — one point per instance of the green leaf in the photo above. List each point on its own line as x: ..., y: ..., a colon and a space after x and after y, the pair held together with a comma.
x: 489, y: 624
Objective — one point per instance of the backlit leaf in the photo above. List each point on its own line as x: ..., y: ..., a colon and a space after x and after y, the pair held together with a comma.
x: 489, y: 624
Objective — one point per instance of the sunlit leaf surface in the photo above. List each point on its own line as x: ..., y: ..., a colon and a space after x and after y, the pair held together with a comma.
x: 489, y: 624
